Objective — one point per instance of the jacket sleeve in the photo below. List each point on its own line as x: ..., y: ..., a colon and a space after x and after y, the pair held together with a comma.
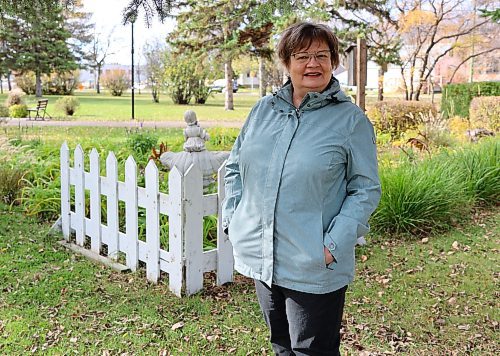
x: 362, y: 193
x: 232, y: 181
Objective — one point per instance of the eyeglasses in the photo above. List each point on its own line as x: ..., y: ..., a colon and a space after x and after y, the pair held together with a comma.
x: 320, y: 56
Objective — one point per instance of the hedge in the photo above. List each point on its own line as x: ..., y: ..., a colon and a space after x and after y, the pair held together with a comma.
x: 456, y: 98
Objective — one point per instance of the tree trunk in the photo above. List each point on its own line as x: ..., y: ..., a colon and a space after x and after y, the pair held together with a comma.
x: 97, y: 85
x: 228, y: 72
x: 381, y: 71
x: 38, y: 90
x: 1, y: 85
x: 262, y: 77
x: 9, y: 84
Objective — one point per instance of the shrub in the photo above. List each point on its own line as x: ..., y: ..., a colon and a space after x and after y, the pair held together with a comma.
x: 397, y: 116
x: 10, y: 183
x: 485, y: 110
x: 4, y: 111
x: 456, y: 98
x: 142, y: 142
x: 26, y: 81
x: 18, y: 111
x: 68, y: 104
x: 15, y: 97
x: 116, y: 81
x: 61, y: 83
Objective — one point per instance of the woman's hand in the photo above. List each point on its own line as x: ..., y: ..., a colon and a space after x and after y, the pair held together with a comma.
x: 328, y: 256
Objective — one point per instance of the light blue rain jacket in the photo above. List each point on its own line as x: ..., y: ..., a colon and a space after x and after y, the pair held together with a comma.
x: 298, y: 180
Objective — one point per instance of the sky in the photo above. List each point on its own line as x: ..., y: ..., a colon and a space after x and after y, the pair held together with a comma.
x: 107, y: 17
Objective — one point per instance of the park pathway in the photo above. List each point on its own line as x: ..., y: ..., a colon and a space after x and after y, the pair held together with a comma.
x: 129, y: 124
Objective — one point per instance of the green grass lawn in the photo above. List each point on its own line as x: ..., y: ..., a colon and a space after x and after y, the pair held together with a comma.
x: 104, y: 107
x: 435, y: 297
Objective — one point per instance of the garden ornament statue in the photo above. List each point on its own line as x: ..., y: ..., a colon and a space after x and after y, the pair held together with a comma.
x: 195, y: 151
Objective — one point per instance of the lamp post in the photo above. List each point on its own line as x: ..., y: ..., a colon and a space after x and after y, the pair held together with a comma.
x: 132, y: 20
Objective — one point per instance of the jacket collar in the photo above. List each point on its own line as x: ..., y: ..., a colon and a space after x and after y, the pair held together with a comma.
x: 312, y: 100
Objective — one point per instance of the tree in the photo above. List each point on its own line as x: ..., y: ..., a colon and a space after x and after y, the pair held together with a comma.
x: 99, y: 51
x: 431, y: 29
x: 36, y: 40
x: 78, y: 23
x: 155, y: 53
x: 371, y: 20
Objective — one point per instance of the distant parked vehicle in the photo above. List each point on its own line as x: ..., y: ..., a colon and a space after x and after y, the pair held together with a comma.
x: 219, y: 86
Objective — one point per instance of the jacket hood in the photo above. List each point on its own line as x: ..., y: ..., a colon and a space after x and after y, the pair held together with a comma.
x: 313, y: 100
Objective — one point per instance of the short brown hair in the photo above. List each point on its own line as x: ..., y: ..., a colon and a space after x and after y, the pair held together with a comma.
x: 300, y: 36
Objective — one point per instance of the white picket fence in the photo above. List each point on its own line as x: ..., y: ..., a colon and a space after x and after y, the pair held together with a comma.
x: 185, y: 205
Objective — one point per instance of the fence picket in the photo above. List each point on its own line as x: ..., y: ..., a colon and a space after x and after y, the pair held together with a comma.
x: 112, y: 206
x: 131, y: 211
x: 79, y: 196
x: 175, y: 187
x: 152, y: 223
x: 225, y: 260
x: 65, y: 191
x: 193, y: 229
x: 95, y: 202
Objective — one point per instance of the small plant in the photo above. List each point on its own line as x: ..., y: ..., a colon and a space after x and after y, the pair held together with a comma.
x: 18, y: 111
x: 117, y: 82
x: 15, y: 97
x: 142, y: 142
x: 68, y: 104
x: 10, y: 183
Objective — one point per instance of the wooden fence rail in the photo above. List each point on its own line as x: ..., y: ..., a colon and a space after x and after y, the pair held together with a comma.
x: 185, y: 205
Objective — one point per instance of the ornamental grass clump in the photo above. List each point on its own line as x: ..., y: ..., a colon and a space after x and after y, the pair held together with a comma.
x: 418, y: 198
x: 68, y: 104
x: 479, y: 168
x: 11, y: 182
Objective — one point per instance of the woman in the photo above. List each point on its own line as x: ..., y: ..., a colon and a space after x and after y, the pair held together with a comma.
x: 301, y: 182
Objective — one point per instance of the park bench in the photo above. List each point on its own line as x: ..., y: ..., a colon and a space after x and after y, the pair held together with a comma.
x: 40, y: 110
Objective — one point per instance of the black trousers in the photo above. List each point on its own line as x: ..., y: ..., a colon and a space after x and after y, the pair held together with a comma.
x: 302, y: 323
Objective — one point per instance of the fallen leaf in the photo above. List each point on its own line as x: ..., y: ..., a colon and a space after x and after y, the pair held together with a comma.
x: 178, y: 325
x: 454, y: 245
x: 425, y: 240
x: 364, y: 258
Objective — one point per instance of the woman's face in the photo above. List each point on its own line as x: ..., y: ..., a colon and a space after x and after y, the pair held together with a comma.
x: 311, y: 74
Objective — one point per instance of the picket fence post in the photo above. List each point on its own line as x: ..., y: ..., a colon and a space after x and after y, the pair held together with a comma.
x: 175, y: 245
x: 131, y: 213
x: 193, y: 229
x: 79, y: 196
x: 152, y: 223
x: 225, y: 259
x: 65, y: 191
x: 112, y: 218
x: 95, y: 202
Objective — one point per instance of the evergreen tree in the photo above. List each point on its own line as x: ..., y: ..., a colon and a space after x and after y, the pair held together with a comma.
x: 36, y: 40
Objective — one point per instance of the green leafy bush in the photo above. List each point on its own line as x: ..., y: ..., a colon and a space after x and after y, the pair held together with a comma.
x: 397, y: 116
x: 142, y: 142
x: 10, y: 183
x: 18, y: 111
x: 68, y: 104
x: 485, y: 110
x: 15, y: 97
x: 116, y: 81
x: 456, y: 98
